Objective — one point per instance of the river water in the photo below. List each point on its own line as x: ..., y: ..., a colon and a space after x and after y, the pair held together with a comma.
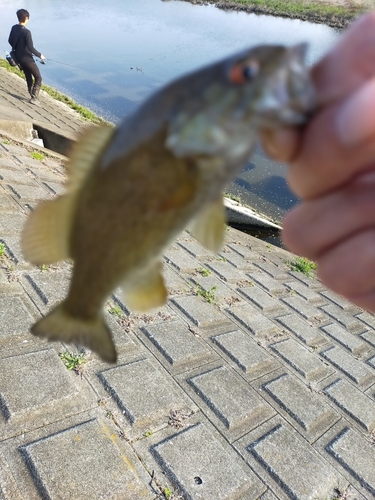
x: 109, y: 56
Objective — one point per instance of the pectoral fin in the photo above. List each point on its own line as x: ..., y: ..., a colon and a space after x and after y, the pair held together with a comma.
x: 145, y: 291
x: 45, y: 237
x: 209, y: 227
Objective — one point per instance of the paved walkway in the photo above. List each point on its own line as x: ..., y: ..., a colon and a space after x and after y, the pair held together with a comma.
x: 253, y: 382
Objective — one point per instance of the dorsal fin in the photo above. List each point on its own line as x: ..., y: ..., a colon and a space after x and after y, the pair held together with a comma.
x: 84, y: 153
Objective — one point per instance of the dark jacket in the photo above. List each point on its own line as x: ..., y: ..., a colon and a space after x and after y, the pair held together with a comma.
x: 21, y: 41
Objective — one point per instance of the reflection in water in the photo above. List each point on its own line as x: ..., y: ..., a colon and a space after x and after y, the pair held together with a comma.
x: 99, y: 42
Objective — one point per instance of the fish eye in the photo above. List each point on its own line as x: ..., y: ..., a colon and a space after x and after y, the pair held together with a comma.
x: 250, y: 71
x: 244, y: 72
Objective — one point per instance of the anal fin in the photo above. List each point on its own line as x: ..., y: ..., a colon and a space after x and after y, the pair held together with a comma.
x: 146, y: 290
x: 209, y: 227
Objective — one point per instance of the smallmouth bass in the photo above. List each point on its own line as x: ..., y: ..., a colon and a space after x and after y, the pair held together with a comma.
x: 132, y: 190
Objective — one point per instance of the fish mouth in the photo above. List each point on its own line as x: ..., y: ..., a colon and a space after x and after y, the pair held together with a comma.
x: 290, y: 98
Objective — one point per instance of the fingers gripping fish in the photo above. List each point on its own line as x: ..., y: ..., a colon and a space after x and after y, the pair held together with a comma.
x: 133, y: 189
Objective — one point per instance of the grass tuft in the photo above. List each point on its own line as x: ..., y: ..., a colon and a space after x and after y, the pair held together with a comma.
x: 302, y: 265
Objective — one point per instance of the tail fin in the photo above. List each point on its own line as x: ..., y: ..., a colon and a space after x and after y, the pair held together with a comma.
x: 94, y: 334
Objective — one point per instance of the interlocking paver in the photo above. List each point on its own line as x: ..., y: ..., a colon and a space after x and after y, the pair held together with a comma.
x: 247, y: 358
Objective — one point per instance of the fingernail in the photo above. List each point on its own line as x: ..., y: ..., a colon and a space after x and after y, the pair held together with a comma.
x: 355, y: 121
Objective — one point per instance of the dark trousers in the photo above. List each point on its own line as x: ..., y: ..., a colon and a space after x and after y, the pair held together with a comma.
x: 33, y: 76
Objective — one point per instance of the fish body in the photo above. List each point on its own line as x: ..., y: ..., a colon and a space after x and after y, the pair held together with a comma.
x: 132, y: 190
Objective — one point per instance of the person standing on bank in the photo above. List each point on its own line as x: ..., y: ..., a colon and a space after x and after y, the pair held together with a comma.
x: 22, y: 43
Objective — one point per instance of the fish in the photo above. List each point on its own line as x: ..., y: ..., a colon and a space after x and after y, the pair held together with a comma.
x: 132, y: 189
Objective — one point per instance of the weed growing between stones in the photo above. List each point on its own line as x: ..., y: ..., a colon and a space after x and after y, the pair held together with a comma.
x: 73, y: 362
x: 208, y: 295
x: 204, y: 272
x: 37, y: 156
x: 302, y: 265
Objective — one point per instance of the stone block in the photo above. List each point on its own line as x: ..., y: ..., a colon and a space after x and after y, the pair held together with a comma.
x: 18, y: 176
x: 309, y: 366
x: 301, y: 406
x: 253, y: 320
x: 367, y: 318
x: 56, y: 188
x: 306, y: 292
x: 196, y: 250
x: 182, y: 261
x: 304, y: 308
x: 344, y: 318
x: 202, y: 468
x: 369, y: 337
x: 356, y: 456
x: 223, y: 293
x: 48, y: 287
x: 29, y: 193
x: 178, y: 345
x: 7, y: 204
x: 309, y: 335
x: 86, y: 462
x: 11, y: 223
x: 226, y: 271
x: 351, y: 342
x: 252, y: 359
x: 231, y: 399
x: 274, y: 271
x: 15, y: 317
x: 353, y: 402
x: 144, y: 394
x: 293, y: 469
x: 351, y: 367
x: 340, y: 301
x: 269, y: 284
x: 263, y: 300
x: 311, y: 282
x: 201, y: 313
x: 244, y: 251
x: 237, y: 261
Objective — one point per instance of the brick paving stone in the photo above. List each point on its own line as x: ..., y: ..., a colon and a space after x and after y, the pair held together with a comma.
x: 304, y: 308
x: 196, y: 250
x: 263, y: 300
x: 11, y: 175
x: 353, y: 402
x: 371, y: 362
x: 11, y: 224
x: 304, y: 362
x: 55, y: 188
x: 202, y: 468
x: 226, y: 271
x: 7, y: 204
x: 49, y: 286
x: 306, y: 292
x: 173, y: 282
x: 237, y: 261
x: 231, y: 399
x: 13, y: 249
x: 367, y: 318
x: 253, y: 320
x: 179, y: 346
x: 244, y: 251
x: 314, y: 284
x: 348, y: 321
x: 269, y: 284
x: 305, y: 332
x: 14, y: 316
x: 340, y: 301
x: 85, y: 461
x: 182, y: 261
x: 296, y: 470
x: 144, y: 394
x: 222, y: 292
x: 356, y: 456
x: 302, y: 406
x: 199, y: 312
x: 28, y: 192
x: 351, y: 342
x: 351, y: 367
x: 369, y: 337
x: 274, y: 271
x: 252, y: 359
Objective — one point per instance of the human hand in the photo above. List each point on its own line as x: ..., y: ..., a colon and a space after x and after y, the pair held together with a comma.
x: 42, y: 57
x: 332, y: 169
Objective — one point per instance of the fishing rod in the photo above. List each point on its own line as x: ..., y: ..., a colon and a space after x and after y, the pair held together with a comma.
x: 59, y: 62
